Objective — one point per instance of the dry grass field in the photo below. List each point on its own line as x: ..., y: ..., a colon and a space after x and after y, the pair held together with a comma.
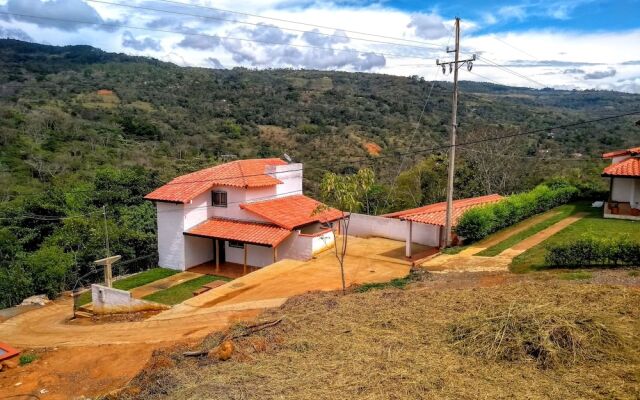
x: 492, y: 337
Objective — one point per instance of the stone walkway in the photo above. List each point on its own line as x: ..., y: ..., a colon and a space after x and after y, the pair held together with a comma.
x: 467, y: 261
x: 164, y: 283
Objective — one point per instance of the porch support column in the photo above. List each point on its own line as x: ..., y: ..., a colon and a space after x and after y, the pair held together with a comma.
x: 217, y: 255
x: 244, y: 272
x: 408, y: 239
x: 275, y: 254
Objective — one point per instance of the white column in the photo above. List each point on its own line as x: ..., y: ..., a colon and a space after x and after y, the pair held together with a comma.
x: 409, y: 239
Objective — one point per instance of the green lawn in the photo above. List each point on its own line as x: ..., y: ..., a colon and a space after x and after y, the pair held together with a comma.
x: 591, y: 225
x: 133, y: 281
x: 563, y: 212
x: 179, y: 293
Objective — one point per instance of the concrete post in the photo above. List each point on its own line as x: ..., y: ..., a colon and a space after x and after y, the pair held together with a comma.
x: 244, y: 272
x: 217, y: 255
x: 409, y: 239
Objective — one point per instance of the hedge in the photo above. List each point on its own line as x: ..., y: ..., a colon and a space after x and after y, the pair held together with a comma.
x: 479, y: 222
x: 586, y: 252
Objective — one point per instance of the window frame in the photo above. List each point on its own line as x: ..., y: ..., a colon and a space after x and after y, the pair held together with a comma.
x: 223, y: 194
x: 234, y: 244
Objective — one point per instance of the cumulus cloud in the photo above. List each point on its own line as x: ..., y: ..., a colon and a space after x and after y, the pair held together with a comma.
x: 128, y: 40
x: 315, y: 38
x: 428, y: 26
x: 14, y: 33
x: 600, y: 74
x: 55, y: 9
x: 267, y: 33
x: 573, y: 71
x: 199, y: 42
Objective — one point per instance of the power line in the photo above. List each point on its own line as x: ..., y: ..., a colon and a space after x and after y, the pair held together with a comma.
x: 257, y: 24
x: 505, y: 69
x: 514, y: 47
x: 51, y: 218
x: 112, y: 25
x: 299, y: 23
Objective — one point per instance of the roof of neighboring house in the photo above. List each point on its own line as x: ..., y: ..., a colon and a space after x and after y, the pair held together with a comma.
x: 240, y: 173
x: 634, y: 151
x: 627, y: 168
x: 290, y: 212
x: 435, y: 214
x: 241, y: 231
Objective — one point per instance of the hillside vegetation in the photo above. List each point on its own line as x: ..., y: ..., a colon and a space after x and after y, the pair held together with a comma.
x: 82, y: 129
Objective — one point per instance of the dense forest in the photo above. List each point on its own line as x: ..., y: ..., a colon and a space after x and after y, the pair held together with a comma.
x: 85, y: 134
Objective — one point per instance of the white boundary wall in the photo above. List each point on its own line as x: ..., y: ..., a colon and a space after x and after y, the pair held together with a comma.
x: 393, y: 228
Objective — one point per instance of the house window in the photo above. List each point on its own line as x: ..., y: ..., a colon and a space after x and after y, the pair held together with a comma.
x: 219, y: 198
x: 237, y: 245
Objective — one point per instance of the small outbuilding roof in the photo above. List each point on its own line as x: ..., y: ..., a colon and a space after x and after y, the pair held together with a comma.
x: 435, y: 214
x: 634, y: 151
x: 240, y: 231
x: 241, y: 173
x: 628, y: 168
x: 291, y: 212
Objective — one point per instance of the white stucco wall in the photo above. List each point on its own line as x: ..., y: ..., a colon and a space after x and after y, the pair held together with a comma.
x: 291, y: 177
x: 622, y: 189
x: 257, y: 256
x: 170, y: 219
x: 197, y: 250
x: 296, y: 247
x: 392, y: 228
x: 322, y: 241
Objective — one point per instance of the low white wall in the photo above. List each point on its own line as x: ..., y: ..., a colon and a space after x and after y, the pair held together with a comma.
x: 296, y: 247
x: 393, y: 228
x: 106, y: 300
x: 322, y: 241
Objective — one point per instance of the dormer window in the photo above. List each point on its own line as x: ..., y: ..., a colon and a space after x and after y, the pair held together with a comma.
x: 219, y: 198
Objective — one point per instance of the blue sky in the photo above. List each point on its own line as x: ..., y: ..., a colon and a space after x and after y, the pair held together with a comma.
x: 576, y: 44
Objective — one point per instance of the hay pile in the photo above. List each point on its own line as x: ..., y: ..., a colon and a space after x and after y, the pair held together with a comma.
x: 548, y: 335
x: 415, y: 343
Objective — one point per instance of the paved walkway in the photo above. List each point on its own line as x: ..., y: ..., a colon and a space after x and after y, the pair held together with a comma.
x: 468, y: 262
x: 163, y: 284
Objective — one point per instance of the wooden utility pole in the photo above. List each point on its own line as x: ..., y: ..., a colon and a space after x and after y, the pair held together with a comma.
x: 453, y: 66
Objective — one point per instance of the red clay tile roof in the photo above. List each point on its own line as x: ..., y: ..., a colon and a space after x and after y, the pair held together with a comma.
x: 241, y: 231
x: 629, y: 168
x: 240, y: 173
x: 630, y: 152
x: 291, y: 212
x: 435, y: 214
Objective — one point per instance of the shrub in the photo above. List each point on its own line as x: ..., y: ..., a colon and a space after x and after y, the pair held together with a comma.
x: 594, y: 252
x: 479, y: 222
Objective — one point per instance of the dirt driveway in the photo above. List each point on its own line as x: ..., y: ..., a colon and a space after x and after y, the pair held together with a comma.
x: 99, y: 349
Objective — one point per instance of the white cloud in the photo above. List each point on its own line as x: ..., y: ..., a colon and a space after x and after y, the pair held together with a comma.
x: 428, y: 26
x: 128, y: 40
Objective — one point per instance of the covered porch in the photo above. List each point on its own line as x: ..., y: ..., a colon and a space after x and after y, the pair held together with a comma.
x: 226, y: 269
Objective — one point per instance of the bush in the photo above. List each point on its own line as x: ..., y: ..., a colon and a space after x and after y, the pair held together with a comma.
x: 479, y: 222
x: 15, y: 285
x: 50, y: 267
x: 594, y: 252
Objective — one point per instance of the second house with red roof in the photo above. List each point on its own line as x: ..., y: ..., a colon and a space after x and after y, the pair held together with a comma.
x: 246, y: 212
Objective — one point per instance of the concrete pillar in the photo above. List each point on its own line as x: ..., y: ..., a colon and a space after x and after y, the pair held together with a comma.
x: 244, y: 271
x: 275, y: 254
x: 409, y: 239
x: 217, y: 255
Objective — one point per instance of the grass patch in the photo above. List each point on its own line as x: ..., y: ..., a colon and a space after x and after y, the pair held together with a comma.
x: 133, y: 281
x: 633, y: 273
x: 593, y: 225
x: 563, y: 212
x: 28, y: 358
x: 549, y: 336
x: 398, y: 283
x: 179, y: 293
x: 575, y: 276
x: 453, y: 250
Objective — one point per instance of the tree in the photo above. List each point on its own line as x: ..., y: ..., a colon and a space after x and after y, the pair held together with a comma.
x: 346, y: 193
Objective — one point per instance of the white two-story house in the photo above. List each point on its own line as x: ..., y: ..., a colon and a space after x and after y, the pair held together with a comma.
x: 624, y: 184
x: 246, y: 212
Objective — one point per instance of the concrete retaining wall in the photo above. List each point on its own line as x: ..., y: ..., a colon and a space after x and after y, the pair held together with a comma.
x: 108, y: 300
